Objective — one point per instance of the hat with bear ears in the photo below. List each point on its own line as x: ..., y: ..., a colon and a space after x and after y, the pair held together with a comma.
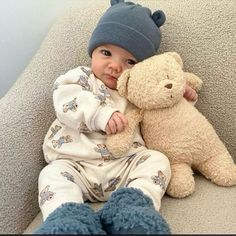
x: 130, y: 26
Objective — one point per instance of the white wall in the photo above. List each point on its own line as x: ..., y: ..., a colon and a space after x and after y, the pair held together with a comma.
x: 23, y: 25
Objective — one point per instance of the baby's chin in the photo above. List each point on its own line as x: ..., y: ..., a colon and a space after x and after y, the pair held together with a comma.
x: 112, y: 85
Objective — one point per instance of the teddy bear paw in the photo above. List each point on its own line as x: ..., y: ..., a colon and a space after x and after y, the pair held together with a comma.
x: 116, y: 148
x: 181, y: 189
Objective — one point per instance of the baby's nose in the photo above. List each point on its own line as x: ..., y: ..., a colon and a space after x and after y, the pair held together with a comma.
x: 116, y: 66
x: 169, y: 86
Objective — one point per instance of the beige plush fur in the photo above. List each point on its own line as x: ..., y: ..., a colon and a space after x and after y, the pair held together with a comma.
x: 171, y: 124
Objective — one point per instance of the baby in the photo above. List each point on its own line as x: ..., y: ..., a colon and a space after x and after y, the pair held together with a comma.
x: 88, y: 108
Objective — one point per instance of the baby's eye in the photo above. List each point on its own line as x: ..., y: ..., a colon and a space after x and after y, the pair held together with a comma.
x: 106, y: 52
x: 131, y: 62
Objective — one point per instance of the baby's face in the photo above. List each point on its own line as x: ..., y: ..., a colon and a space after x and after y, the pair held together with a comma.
x: 109, y: 61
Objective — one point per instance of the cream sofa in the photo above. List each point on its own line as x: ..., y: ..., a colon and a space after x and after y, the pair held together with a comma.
x: 203, y: 32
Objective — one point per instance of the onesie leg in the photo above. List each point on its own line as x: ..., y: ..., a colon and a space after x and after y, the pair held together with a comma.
x: 134, y: 209
x: 58, y: 183
x: 150, y: 173
x: 61, y: 202
x: 129, y: 211
x: 71, y: 218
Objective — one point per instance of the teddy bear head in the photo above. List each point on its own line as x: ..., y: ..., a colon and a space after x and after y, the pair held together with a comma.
x: 157, y: 82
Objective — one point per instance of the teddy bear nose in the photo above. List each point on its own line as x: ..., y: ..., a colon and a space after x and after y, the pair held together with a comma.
x: 169, y: 86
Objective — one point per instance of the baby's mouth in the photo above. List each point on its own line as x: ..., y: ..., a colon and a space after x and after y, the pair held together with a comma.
x: 111, y: 77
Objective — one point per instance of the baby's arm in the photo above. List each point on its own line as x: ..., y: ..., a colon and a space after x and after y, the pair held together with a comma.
x: 76, y: 104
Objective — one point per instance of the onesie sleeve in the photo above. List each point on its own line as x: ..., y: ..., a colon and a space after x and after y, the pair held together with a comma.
x: 79, y: 101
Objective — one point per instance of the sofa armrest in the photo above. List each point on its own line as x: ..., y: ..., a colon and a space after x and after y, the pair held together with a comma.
x: 27, y: 112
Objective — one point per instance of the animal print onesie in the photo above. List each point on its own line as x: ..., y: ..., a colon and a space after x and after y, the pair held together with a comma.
x: 80, y: 166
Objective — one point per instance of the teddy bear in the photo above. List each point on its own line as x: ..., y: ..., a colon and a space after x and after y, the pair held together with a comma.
x: 171, y: 124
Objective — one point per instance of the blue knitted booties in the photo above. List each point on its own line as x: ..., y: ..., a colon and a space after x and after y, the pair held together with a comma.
x: 129, y: 211
x: 71, y: 218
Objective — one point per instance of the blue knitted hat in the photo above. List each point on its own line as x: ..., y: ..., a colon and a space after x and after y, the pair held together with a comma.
x: 130, y: 26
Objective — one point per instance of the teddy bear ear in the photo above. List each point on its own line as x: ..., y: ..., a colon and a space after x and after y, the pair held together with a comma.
x: 177, y: 57
x: 123, y: 82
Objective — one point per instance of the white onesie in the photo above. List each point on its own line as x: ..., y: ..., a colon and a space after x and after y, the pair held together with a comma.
x: 80, y: 166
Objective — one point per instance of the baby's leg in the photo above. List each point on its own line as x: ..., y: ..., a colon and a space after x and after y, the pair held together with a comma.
x: 61, y: 202
x: 151, y: 174
x: 58, y: 183
x: 133, y: 209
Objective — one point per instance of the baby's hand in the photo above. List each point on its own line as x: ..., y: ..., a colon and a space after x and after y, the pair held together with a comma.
x: 190, y: 94
x: 116, y: 123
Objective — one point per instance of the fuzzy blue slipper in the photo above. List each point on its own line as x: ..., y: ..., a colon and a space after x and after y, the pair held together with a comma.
x: 71, y: 218
x: 129, y: 211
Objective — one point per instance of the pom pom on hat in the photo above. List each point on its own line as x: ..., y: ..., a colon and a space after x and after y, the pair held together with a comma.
x: 130, y: 26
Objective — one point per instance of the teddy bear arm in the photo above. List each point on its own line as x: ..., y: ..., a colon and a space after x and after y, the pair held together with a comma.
x: 193, y: 81
x: 119, y: 144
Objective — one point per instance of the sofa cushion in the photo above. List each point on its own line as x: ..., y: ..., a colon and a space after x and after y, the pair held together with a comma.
x: 208, y: 211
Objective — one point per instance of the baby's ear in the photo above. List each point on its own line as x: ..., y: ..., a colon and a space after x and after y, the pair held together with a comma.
x: 123, y: 82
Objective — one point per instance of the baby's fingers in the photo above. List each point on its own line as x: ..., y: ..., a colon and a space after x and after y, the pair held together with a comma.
x: 122, y: 118
x: 120, y: 122
x: 111, y: 127
x: 108, y: 130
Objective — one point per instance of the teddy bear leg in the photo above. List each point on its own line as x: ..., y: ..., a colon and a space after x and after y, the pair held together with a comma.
x: 221, y: 170
x: 182, y: 183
